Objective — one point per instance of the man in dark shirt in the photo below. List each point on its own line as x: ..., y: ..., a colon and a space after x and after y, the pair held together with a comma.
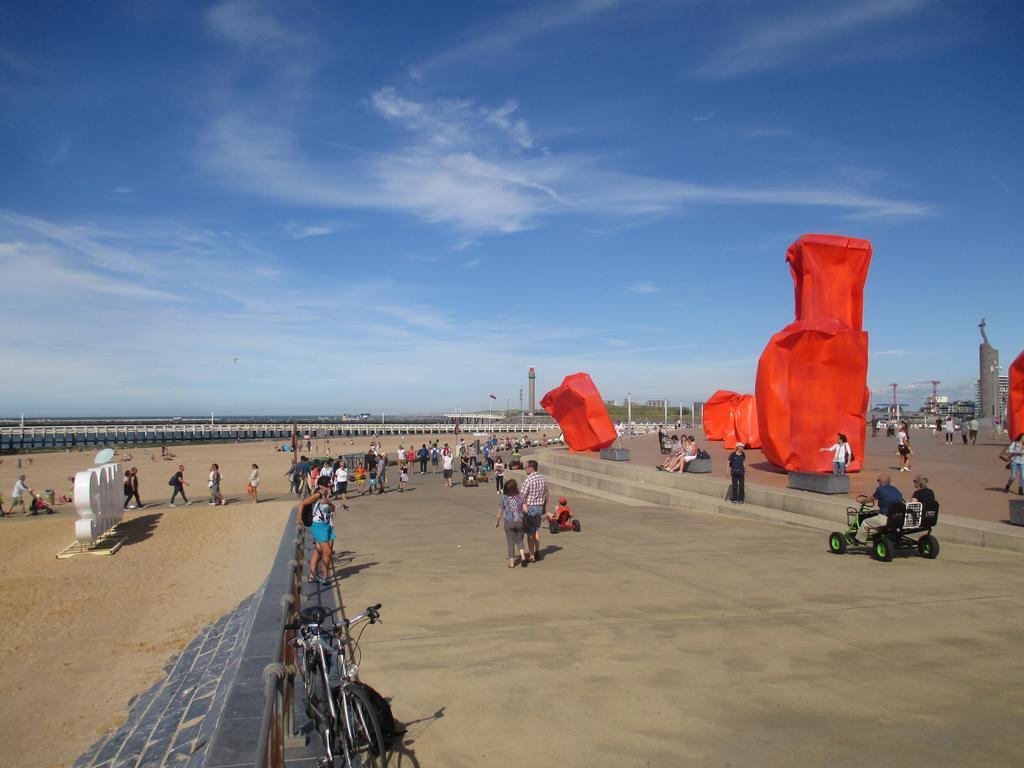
x: 886, y: 495
x: 737, y: 472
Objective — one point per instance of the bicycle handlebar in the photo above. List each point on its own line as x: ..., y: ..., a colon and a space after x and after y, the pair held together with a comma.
x: 371, y: 614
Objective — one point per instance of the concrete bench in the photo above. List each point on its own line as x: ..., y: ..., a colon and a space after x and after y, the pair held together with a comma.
x: 699, y: 465
x: 1017, y: 511
x: 819, y: 483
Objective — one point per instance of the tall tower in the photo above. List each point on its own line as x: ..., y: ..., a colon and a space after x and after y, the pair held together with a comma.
x: 533, y: 391
x: 988, y: 374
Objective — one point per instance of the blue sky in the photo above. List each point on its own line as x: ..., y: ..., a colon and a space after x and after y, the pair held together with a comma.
x: 403, y: 206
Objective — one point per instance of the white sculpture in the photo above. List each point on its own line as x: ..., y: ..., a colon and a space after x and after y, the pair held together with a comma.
x: 99, y: 501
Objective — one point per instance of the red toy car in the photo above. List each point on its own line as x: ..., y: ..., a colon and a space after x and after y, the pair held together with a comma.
x: 563, y: 519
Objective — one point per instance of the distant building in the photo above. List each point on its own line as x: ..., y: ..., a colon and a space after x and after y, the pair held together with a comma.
x: 1003, y: 394
x: 613, y: 403
x: 656, y: 403
x: 942, y: 407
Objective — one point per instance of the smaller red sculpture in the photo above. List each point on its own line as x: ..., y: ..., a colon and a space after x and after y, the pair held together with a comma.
x: 1015, y: 411
x: 717, y: 417
x: 744, y: 417
x: 579, y: 410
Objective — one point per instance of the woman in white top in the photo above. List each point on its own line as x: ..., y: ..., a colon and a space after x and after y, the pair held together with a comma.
x: 903, y: 447
x: 254, y: 482
x: 841, y: 454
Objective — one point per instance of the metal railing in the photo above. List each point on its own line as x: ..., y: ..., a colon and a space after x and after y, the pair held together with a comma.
x: 276, y: 725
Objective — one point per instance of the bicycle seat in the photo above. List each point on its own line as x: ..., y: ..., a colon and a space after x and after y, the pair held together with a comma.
x: 314, y: 614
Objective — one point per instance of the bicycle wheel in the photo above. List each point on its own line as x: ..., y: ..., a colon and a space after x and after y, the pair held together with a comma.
x: 364, y: 747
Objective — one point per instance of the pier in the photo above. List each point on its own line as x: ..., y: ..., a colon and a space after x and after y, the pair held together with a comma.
x: 40, y: 437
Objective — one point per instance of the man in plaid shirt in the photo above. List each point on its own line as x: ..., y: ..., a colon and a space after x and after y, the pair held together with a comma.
x: 535, y: 500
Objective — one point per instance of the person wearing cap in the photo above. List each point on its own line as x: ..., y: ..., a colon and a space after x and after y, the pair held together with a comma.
x: 737, y: 471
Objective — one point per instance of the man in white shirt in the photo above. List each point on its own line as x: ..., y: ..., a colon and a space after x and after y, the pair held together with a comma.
x: 22, y: 496
x: 448, y: 467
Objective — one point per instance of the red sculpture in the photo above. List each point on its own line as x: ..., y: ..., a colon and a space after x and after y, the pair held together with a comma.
x: 1015, y: 411
x: 717, y: 417
x: 579, y: 410
x: 812, y: 375
x: 744, y: 417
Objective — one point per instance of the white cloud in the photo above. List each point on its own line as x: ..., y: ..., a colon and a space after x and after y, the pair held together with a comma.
x: 705, y: 116
x: 473, y: 263
x: 643, y: 287
x: 517, y: 129
x: 771, y: 43
x: 247, y: 23
x: 299, y: 232
x: 506, y: 33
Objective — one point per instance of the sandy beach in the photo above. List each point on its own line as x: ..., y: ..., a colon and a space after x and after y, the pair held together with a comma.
x: 83, y: 636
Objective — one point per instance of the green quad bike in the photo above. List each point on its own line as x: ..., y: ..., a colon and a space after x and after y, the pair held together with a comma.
x: 904, y: 521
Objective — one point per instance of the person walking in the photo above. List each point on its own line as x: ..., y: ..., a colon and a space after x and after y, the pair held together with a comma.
x: 449, y: 461
x: 738, y: 472
x: 22, y: 496
x: 178, y: 483
x: 403, y: 477
x: 215, y: 478
x: 341, y: 482
x: 903, y: 447
x: 499, y: 473
x: 423, y: 454
x: 949, y: 428
x: 1015, y: 456
x: 382, y: 472
x: 322, y: 530
x: 254, y: 484
x: 841, y: 454
x: 127, y: 488
x: 135, y: 489
x: 974, y: 431
x: 435, y: 456
x: 535, y: 501
x: 510, y: 510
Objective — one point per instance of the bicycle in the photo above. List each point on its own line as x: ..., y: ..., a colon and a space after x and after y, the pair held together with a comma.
x: 335, y: 700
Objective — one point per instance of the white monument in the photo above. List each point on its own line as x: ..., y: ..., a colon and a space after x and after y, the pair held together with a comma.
x: 99, y: 503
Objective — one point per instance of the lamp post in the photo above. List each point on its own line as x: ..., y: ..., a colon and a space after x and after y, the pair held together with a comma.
x: 522, y: 413
x: 994, y: 370
x: 666, y: 413
x: 629, y: 413
x: 507, y: 400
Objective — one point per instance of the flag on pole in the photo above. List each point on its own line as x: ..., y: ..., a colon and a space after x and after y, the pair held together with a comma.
x: 493, y: 397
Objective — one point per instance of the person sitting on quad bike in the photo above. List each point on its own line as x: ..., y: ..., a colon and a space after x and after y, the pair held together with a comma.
x: 886, y: 495
x: 562, y: 514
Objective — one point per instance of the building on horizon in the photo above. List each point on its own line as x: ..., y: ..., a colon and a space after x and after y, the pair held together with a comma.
x: 656, y: 403
x: 1001, y: 397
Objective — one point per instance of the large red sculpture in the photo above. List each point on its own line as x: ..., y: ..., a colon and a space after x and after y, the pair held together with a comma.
x: 1015, y: 410
x: 717, y: 416
x: 579, y: 410
x: 812, y: 375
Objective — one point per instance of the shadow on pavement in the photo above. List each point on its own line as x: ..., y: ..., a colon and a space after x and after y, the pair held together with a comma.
x: 139, y: 528
x: 351, y: 570
x: 402, y: 753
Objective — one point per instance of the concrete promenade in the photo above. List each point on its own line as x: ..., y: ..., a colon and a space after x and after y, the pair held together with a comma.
x: 674, y: 637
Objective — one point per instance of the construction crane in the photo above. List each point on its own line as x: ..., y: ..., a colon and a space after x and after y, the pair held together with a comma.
x: 935, y: 396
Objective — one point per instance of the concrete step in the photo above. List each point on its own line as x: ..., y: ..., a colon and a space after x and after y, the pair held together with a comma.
x: 702, y: 492
x: 639, y: 493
